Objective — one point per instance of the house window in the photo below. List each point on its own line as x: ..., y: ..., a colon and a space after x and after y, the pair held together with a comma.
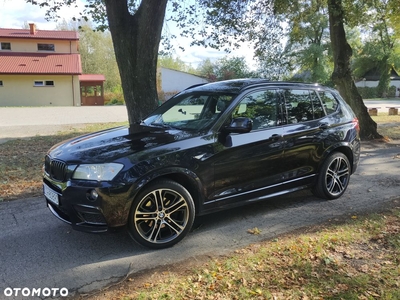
x: 43, y: 83
x: 1, y: 82
x: 46, y: 47
x: 5, y: 46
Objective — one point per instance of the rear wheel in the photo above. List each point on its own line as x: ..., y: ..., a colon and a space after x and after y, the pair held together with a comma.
x: 334, y: 177
x: 161, y: 215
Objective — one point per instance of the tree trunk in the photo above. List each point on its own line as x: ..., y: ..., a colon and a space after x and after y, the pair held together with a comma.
x: 342, y: 76
x: 384, y: 81
x: 136, y: 39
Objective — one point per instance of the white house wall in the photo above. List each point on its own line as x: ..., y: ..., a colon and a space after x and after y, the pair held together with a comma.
x: 367, y: 83
x: 19, y: 90
x: 175, y: 81
x: 30, y: 45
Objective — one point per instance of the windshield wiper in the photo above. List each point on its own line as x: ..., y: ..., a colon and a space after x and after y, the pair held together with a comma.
x: 162, y: 125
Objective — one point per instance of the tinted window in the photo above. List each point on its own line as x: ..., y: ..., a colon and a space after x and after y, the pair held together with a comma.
x: 317, y: 105
x: 298, y: 106
x: 329, y: 102
x: 261, y: 107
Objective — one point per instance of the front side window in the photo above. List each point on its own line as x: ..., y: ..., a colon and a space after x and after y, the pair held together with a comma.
x: 191, y: 111
x: 5, y: 46
x: 261, y: 107
x: 46, y: 47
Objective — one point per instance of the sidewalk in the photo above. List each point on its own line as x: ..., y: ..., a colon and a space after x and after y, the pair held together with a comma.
x: 31, y: 121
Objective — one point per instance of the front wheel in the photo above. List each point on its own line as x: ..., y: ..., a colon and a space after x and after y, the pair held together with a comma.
x: 334, y: 177
x: 161, y: 215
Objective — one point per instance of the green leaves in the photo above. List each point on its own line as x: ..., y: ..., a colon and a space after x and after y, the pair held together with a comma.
x: 226, y: 68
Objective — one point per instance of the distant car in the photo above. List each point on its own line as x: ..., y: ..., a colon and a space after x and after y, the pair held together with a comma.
x: 209, y: 148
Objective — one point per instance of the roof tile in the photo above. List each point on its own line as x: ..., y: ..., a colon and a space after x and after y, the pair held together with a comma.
x: 92, y: 77
x: 39, y: 34
x: 40, y: 63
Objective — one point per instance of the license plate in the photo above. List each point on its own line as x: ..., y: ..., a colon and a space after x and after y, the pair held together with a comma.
x: 50, y: 194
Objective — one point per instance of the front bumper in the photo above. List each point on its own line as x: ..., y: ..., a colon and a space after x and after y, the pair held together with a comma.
x: 77, y: 208
x: 88, y: 219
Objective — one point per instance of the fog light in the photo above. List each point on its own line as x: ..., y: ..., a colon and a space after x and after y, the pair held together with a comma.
x: 93, y: 195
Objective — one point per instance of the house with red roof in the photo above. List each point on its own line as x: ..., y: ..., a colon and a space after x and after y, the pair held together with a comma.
x: 43, y: 68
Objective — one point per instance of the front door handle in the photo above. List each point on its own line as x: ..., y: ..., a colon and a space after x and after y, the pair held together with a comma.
x: 275, y: 137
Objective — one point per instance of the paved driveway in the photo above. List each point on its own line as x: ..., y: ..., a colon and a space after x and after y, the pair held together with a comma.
x: 31, y: 121
x: 382, y: 104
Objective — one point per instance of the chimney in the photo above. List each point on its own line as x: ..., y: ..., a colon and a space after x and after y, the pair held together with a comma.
x: 32, y: 28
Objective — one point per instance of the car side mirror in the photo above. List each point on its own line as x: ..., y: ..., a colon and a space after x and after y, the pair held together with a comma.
x: 239, y: 125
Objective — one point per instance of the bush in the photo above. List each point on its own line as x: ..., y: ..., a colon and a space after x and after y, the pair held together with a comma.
x: 368, y: 92
x: 391, y: 92
x: 114, y: 98
x: 372, y: 92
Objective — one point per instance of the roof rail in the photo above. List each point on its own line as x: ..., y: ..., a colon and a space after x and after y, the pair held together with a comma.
x: 195, y: 85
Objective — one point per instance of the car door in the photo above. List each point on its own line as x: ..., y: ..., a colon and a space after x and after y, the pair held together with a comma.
x: 247, y: 163
x: 302, y: 135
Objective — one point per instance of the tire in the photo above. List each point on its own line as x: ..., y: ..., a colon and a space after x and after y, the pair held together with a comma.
x: 161, y: 215
x: 333, y: 177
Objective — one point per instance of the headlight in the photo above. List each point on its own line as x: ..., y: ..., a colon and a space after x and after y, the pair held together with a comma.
x: 99, y: 172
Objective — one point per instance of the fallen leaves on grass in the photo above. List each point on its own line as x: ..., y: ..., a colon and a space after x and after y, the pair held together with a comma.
x: 21, y: 167
x: 21, y: 161
x: 358, y: 260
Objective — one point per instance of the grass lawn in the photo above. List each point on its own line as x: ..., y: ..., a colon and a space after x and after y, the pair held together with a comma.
x: 388, y: 126
x: 21, y: 161
x: 358, y: 258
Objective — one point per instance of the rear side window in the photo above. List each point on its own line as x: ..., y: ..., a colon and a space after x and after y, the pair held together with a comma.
x: 302, y: 106
x: 328, y: 101
x: 317, y: 105
x: 298, y: 106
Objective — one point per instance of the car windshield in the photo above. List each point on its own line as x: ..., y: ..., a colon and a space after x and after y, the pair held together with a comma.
x: 190, y: 111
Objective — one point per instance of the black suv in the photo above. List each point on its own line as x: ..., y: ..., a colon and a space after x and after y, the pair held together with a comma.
x: 210, y: 147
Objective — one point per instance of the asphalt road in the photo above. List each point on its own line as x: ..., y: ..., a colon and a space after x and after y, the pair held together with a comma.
x: 21, y: 122
x: 39, y: 251
x: 382, y: 104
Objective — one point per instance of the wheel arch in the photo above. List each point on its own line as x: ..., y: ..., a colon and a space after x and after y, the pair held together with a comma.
x: 185, y: 177
x: 346, y: 150
x: 342, y: 148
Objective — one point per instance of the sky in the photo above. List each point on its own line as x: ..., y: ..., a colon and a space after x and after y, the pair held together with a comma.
x: 15, y: 13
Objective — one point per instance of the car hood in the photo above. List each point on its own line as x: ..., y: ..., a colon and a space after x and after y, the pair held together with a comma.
x: 111, y: 144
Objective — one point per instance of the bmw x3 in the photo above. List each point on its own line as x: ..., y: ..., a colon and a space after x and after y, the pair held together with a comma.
x: 209, y: 148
